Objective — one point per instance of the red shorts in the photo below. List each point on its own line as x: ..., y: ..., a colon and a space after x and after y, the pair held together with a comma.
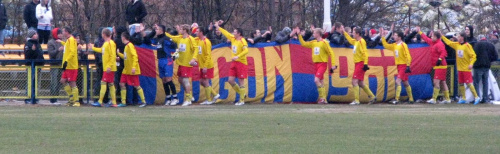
x: 131, y: 80
x: 184, y: 72
x: 320, y: 70
x: 238, y: 70
x: 208, y: 75
x: 464, y: 77
x: 108, y: 77
x: 359, y: 73
x: 401, y: 73
x: 69, y: 75
x: 440, y: 74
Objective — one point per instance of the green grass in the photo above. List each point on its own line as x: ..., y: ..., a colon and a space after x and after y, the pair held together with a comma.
x: 252, y: 129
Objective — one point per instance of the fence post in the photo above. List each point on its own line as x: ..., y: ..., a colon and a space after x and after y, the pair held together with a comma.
x: 88, y: 80
x: 33, y: 99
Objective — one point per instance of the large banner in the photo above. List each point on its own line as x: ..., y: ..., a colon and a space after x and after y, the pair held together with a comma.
x: 284, y: 73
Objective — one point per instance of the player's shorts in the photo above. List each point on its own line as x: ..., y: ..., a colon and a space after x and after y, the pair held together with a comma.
x: 166, y: 67
x: 208, y: 75
x: 440, y: 74
x: 108, y: 77
x: 359, y: 73
x: 184, y: 72
x: 401, y: 73
x: 238, y: 70
x: 131, y: 80
x: 320, y: 70
x: 69, y: 75
x: 464, y: 77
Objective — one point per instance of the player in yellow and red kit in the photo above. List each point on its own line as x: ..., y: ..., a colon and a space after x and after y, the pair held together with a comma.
x: 239, y: 48
x: 108, y: 51
x: 466, y: 57
x: 206, y: 64
x: 70, y: 67
x: 402, y: 58
x: 186, y: 46
x: 360, y: 53
x: 321, y: 51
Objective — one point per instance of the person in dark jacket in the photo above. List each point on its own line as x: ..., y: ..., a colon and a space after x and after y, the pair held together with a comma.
x: 33, y: 51
x: 335, y: 36
x: 284, y: 35
x: 469, y: 31
x: 134, y: 14
x: 29, y: 14
x: 55, y: 50
x: 486, y: 53
x: 3, y: 21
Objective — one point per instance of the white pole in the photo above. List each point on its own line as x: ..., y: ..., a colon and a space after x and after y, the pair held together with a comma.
x: 327, y: 23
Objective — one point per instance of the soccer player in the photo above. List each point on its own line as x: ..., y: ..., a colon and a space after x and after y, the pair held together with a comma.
x: 465, y: 57
x: 187, y: 59
x: 402, y: 59
x: 165, y: 62
x: 239, y: 66
x: 108, y: 51
x: 361, y: 64
x: 438, y: 55
x: 320, y: 51
x: 70, y: 67
x: 206, y: 64
x: 131, y: 71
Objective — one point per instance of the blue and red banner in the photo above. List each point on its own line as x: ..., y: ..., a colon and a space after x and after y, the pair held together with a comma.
x: 283, y: 73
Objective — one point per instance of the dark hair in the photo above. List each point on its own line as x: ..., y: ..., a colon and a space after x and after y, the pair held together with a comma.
x: 172, y: 31
x: 252, y: 34
x: 126, y: 35
x: 204, y: 30
x: 67, y: 29
x: 162, y: 27
x: 240, y: 31
x: 59, y: 31
x: 437, y: 34
x: 337, y: 24
x: 400, y: 34
x: 358, y: 30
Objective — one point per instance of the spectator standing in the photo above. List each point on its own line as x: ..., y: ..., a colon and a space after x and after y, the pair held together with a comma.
x: 55, y: 51
x: 487, y: 53
x: 134, y: 14
x: 44, y: 17
x: 29, y: 14
x: 3, y: 21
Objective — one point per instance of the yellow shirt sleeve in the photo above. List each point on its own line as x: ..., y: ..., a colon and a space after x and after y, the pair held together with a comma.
x: 175, y: 39
x: 387, y: 45
x: 120, y: 55
x: 228, y: 35
x: 349, y: 38
x: 194, y: 44
x: 135, y: 58
x: 364, y: 50
x: 450, y: 43
x: 208, y: 50
x: 304, y: 43
x: 331, y: 53
x: 407, y: 54
x: 472, y: 54
x: 244, y: 51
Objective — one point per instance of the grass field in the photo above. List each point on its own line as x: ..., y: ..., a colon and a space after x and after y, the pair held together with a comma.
x: 252, y: 129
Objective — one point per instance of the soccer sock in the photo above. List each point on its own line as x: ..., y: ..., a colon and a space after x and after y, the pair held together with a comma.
x: 166, y: 87
x: 112, y: 91
x: 208, y: 92
x: 356, y: 93
x: 410, y: 94
x: 368, y: 91
x: 236, y: 88
x: 243, y: 93
x: 141, y: 94
x: 398, y: 92
x: 435, y: 93
x: 75, y: 93
x: 102, y: 92
x: 123, y: 95
x: 67, y: 88
x: 212, y: 91
x: 461, y: 89
x: 472, y: 89
x: 173, y: 91
x: 446, y: 95
x: 321, y: 92
x: 188, y: 97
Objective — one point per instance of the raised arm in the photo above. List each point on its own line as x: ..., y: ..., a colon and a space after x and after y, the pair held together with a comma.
x: 304, y: 43
x: 450, y: 43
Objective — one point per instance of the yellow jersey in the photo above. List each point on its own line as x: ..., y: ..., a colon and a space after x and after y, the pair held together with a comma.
x: 320, y: 50
x: 204, y: 53
x: 131, y: 60
x: 70, y: 54
x: 108, y: 51
x: 238, y: 47
x: 465, y: 54
x: 401, y: 52
x: 187, y: 49
x: 359, y: 51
